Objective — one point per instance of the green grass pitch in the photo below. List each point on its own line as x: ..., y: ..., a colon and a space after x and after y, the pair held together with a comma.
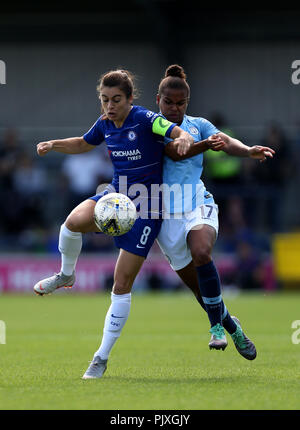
x: 161, y: 361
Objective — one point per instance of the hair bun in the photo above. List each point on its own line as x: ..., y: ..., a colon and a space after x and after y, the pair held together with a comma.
x: 175, y: 70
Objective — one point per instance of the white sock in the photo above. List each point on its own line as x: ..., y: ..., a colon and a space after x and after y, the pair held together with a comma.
x: 115, y: 320
x: 69, y: 245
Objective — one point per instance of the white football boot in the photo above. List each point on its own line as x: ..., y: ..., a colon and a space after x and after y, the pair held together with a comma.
x: 58, y: 280
x: 96, y: 369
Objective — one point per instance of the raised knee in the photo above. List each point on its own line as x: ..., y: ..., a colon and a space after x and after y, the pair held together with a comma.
x: 73, y: 223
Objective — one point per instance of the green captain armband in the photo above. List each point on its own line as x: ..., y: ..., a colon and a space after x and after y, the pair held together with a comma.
x: 162, y: 126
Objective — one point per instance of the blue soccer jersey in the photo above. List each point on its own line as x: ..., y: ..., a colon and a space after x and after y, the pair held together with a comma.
x: 187, y: 190
x: 136, y: 150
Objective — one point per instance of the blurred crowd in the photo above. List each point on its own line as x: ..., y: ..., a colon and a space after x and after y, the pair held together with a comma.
x: 37, y: 193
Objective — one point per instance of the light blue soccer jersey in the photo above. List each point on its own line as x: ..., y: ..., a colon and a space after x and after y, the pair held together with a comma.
x: 187, y: 190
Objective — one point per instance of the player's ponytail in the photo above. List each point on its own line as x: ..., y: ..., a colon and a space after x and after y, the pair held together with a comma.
x: 174, y: 78
x: 175, y: 70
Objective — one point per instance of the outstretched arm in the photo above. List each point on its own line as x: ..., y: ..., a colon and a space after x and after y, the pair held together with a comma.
x: 237, y: 148
x: 72, y: 145
x: 222, y: 142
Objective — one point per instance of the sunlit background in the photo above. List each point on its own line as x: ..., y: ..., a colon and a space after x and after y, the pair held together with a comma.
x: 239, y: 64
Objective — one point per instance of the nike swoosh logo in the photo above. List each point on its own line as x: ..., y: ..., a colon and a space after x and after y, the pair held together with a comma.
x: 139, y: 246
x: 106, y: 135
x: 114, y: 316
x: 41, y: 288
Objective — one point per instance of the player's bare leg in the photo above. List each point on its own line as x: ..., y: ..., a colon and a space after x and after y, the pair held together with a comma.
x: 80, y: 220
x: 127, y: 267
x: 189, y: 277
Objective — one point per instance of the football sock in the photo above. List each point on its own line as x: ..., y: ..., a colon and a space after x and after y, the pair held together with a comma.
x: 210, y: 290
x: 227, y: 321
x: 69, y: 245
x: 115, y: 320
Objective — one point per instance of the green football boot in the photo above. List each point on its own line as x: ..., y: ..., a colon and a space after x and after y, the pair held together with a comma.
x: 218, y: 339
x: 242, y: 343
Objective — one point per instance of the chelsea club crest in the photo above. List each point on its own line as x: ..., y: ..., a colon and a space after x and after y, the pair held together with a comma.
x: 131, y: 135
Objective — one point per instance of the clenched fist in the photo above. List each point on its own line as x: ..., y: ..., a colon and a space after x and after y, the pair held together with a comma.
x: 44, y: 147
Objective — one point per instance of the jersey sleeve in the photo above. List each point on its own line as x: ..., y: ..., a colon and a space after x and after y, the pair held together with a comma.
x: 156, y: 122
x: 95, y: 134
x: 206, y: 128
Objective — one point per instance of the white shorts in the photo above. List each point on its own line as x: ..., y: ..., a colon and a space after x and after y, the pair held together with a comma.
x: 172, y: 238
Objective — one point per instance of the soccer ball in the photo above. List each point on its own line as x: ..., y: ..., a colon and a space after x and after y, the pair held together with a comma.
x: 114, y: 214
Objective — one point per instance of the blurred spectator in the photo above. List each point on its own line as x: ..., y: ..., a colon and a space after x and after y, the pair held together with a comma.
x: 249, y: 268
x: 221, y: 168
x: 222, y: 174
x: 10, y: 149
x: 30, y: 184
x: 85, y: 172
x: 293, y: 221
x: 269, y: 180
x: 235, y: 229
x: 28, y: 178
x: 22, y: 188
x: 248, y: 248
x: 276, y: 171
